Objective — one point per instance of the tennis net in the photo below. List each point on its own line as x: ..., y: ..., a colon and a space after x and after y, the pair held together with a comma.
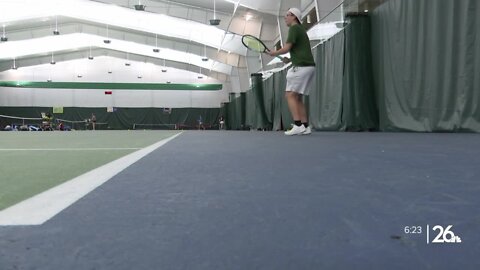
x: 8, y: 122
x: 14, y: 123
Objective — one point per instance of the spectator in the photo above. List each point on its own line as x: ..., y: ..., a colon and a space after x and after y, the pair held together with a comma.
x: 93, y: 119
x: 200, y: 123
x: 221, y: 123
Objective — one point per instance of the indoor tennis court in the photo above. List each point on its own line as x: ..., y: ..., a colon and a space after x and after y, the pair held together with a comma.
x: 159, y: 134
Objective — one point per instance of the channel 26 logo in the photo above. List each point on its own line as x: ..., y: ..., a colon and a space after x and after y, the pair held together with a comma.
x: 440, y: 234
x: 444, y: 235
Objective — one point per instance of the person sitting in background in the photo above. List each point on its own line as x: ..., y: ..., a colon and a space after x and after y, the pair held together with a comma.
x: 47, y: 121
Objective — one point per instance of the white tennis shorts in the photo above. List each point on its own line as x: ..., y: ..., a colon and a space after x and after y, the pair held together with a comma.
x: 299, y: 79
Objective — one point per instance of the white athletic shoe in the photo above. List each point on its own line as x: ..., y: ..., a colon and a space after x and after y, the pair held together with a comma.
x: 308, y: 130
x: 296, y: 130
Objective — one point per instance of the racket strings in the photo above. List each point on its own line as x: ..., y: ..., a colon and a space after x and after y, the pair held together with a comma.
x: 254, y: 44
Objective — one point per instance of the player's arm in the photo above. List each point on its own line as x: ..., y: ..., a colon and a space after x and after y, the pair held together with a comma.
x: 285, y: 49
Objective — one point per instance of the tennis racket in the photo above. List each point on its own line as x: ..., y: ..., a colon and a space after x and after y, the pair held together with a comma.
x: 254, y: 44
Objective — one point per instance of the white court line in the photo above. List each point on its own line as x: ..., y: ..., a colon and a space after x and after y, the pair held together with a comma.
x: 42, y: 207
x: 67, y: 149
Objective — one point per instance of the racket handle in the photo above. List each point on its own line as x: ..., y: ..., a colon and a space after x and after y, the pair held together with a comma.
x: 277, y: 56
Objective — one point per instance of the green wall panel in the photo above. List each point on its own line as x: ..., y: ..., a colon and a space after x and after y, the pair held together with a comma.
x: 112, y: 86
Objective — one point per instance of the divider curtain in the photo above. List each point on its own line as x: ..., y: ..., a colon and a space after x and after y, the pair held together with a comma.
x: 426, y: 56
x: 342, y: 96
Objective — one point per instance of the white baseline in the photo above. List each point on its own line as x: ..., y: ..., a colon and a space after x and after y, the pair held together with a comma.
x: 43, y: 206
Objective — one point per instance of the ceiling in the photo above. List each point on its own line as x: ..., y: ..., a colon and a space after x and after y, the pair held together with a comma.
x: 161, y: 25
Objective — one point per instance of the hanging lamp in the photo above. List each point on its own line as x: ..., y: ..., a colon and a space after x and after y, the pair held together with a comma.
x: 56, y: 32
x: 156, y: 49
x: 214, y: 21
x: 139, y: 6
x: 4, y: 37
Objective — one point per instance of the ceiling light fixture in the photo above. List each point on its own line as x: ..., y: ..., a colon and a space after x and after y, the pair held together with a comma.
x: 205, y: 58
x: 53, y: 61
x: 56, y: 32
x: 248, y: 17
x: 156, y: 49
x: 164, y: 68
x: 139, y: 7
x: 14, y: 64
x: 141, y: 69
x: 214, y: 21
x: 128, y: 62
x: 107, y: 41
x: 4, y: 37
x: 90, y: 57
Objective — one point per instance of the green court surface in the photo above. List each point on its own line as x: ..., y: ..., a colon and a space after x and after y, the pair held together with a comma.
x: 32, y: 162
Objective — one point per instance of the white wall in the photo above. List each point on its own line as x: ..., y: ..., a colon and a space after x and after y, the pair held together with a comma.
x: 97, y: 71
x: 324, y: 7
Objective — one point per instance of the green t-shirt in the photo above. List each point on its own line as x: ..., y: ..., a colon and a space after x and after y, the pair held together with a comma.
x: 301, y: 52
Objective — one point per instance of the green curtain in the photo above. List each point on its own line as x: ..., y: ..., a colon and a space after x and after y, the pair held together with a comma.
x: 360, y: 109
x: 260, y: 103
x: 268, y: 104
x: 342, y: 96
x: 281, y: 115
x: 426, y: 56
x: 325, y: 108
x: 250, y: 110
x: 266, y: 107
x: 236, y: 112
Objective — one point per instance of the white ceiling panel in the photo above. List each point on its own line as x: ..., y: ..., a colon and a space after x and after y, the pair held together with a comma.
x: 182, y: 29
x: 72, y: 42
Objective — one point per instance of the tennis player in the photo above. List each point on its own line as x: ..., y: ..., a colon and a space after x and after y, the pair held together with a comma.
x: 300, y: 74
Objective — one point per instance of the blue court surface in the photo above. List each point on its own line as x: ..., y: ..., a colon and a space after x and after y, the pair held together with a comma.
x: 261, y: 200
